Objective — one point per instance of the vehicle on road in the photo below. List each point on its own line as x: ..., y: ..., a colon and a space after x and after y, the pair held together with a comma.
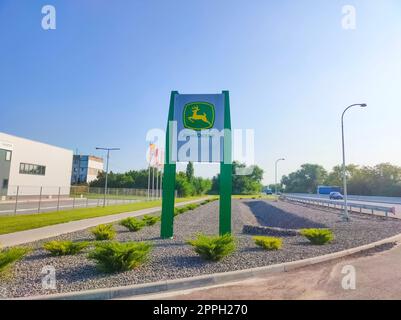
x: 269, y: 191
x: 327, y: 189
x: 336, y: 196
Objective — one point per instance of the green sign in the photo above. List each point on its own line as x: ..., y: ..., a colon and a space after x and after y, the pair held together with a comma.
x: 198, y: 115
x: 194, y: 113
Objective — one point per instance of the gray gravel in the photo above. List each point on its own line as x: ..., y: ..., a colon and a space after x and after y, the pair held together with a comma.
x: 171, y: 259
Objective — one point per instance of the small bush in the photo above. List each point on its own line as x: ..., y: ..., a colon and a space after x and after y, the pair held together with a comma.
x: 150, y: 220
x: 132, y: 224
x: 268, y: 243
x: 117, y: 256
x: 318, y: 236
x: 104, y: 232
x: 192, y: 206
x: 11, y: 255
x: 63, y: 248
x: 213, y: 247
x: 180, y: 210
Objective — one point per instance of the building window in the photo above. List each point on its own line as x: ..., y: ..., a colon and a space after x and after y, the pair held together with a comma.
x: 5, y: 183
x: 8, y: 155
x: 35, y: 169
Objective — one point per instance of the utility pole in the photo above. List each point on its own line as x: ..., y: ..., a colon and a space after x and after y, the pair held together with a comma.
x: 107, y: 170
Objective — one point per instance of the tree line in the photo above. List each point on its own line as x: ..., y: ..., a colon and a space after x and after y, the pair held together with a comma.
x: 187, y: 184
x: 383, y: 179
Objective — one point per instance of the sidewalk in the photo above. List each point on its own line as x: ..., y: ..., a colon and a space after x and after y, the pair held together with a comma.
x: 21, y: 237
x: 378, y: 277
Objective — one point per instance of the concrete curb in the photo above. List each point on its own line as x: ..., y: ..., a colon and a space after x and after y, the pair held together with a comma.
x: 204, y: 280
x: 32, y: 235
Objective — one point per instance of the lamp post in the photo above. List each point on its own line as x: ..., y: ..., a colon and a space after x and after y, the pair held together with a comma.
x: 107, y: 170
x: 346, y: 216
x: 281, y: 159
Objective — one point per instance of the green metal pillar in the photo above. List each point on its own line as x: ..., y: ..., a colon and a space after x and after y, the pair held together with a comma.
x: 226, y: 172
x: 167, y: 217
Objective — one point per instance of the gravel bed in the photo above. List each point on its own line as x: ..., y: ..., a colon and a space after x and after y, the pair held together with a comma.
x: 171, y: 259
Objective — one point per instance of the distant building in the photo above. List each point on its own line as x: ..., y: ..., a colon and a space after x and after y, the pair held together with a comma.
x: 29, y: 168
x: 85, y: 168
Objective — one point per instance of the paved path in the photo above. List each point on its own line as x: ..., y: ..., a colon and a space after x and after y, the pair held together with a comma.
x: 21, y: 237
x: 378, y: 276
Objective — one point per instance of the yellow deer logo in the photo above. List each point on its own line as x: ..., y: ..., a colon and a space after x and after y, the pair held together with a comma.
x: 195, y: 116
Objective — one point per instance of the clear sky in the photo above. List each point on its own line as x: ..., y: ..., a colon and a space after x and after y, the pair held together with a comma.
x: 104, y: 76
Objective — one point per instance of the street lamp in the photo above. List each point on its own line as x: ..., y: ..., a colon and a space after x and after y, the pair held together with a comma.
x: 362, y: 105
x: 281, y: 159
x: 107, y: 170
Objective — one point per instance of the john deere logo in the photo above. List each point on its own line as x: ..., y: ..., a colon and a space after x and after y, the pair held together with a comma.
x: 199, y: 115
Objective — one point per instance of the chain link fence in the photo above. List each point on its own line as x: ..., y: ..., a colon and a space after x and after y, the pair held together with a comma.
x: 36, y: 199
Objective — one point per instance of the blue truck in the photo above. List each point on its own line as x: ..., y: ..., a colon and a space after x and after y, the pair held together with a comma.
x: 327, y: 189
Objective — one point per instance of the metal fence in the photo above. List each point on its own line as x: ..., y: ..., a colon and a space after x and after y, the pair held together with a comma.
x: 333, y: 204
x: 36, y: 199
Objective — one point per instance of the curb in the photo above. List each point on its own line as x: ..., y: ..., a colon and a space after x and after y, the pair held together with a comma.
x: 204, y: 280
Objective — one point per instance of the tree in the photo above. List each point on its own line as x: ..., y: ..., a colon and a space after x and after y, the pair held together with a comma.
x: 138, y: 179
x: 242, y: 184
x: 383, y: 179
x: 183, y: 186
x: 335, y: 177
x: 306, y: 179
x: 131, y: 179
x: 190, y: 171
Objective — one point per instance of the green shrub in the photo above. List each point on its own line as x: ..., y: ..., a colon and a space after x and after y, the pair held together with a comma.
x: 213, y: 247
x: 104, y: 232
x: 179, y: 210
x: 268, y: 243
x: 11, y: 255
x: 150, y: 220
x: 63, y: 248
x: 318, y: 236
x: 192, y: 206
x: 116, y: 256
x: 132, y: 224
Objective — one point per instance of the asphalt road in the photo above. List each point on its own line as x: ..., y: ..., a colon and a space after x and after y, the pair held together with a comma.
x: 32, y: 206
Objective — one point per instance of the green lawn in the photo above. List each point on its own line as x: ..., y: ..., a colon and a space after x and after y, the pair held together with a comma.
x: 109, y: 196
x: 9, y: 224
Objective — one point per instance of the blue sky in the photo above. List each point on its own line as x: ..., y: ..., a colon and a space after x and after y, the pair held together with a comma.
x: 104, y: 76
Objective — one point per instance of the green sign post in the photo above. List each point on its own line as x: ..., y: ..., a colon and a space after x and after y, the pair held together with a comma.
x: 197, y: 113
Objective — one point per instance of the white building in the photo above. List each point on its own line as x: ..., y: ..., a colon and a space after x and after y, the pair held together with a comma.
x: 29, y: 168
x: 85, y: 168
